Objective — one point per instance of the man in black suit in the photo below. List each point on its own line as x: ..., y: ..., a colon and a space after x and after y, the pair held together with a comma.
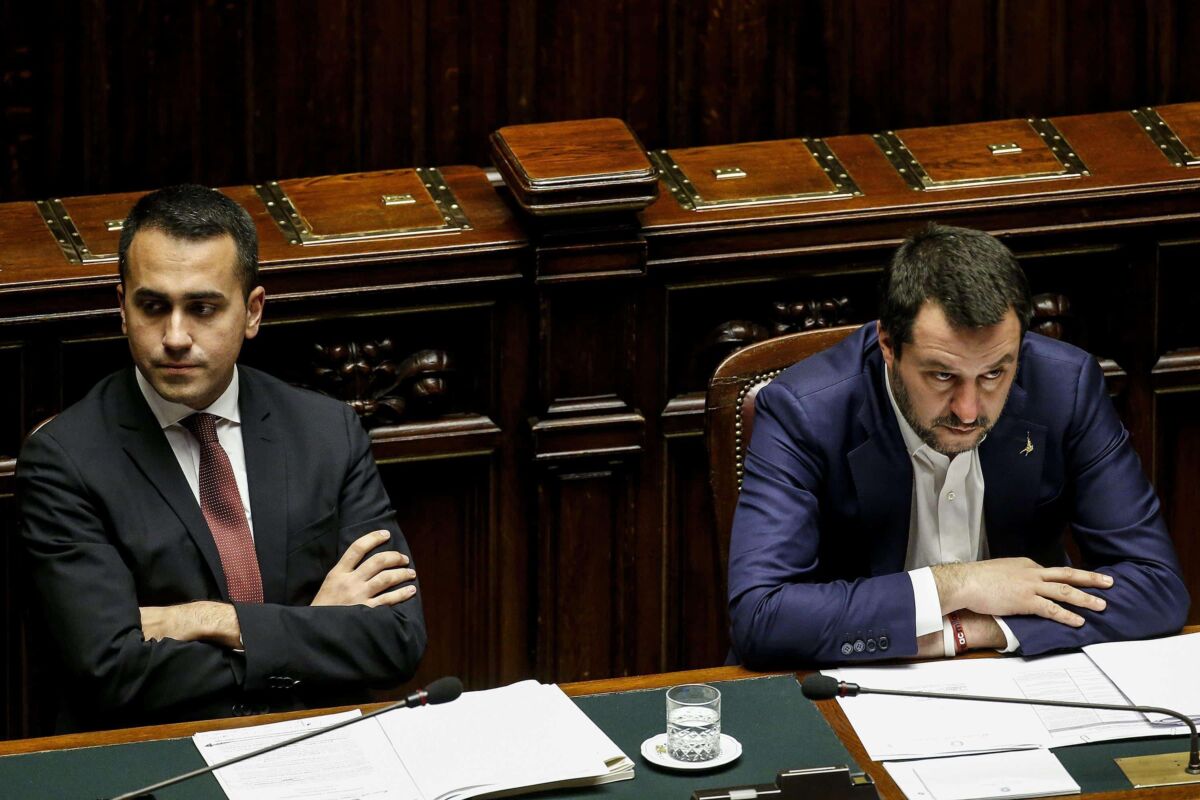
x: 206, y: 540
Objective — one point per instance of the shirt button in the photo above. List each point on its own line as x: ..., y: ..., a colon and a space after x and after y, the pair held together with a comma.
x: 859, y: 645
x: 847, y: 648
x: 950, y: 495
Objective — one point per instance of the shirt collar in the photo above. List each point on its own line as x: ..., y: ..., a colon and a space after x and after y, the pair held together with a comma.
x: 168, y: 413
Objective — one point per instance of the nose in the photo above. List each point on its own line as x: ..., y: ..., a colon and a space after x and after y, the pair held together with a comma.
x: 965, y: 402
x: 176, y: 335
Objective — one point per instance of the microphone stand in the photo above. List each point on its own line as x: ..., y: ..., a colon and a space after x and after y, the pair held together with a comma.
x: 418, y: 698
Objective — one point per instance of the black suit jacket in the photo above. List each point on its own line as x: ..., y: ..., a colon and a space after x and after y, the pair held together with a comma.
x: 110, y: 524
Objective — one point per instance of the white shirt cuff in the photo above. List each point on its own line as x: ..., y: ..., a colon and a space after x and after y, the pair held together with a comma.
x: 1010, y: 640
x: 926, y: 603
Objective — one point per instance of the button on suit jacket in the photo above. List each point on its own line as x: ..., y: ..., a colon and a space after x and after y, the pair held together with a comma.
x: 821, y: 528
x: 110, y: 524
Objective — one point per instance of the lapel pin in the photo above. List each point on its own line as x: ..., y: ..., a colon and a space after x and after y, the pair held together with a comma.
x: 1028, y: 445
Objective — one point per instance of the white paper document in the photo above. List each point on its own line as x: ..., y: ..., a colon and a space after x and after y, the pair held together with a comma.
x: 1022, y: 773
x: 903, y: 727
x: 353, y: 763
x: 1155, y: 672
x: 907, y: 727
x: 524, y: 736
x: 503, y: 739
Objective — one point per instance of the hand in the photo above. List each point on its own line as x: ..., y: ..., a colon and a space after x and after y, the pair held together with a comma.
x: 1006, y: 586
x: 201, y: 621
x: 371, y: 582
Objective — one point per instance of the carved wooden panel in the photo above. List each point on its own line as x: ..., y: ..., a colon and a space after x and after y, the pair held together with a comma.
x: 85, y: 360
x: 587, y: 341
x: 12, y: 368
x: 697, y: 619
x: 587, y: 598
x: 1180, y: 295
x: 446, y: 509
x: 707, y: 322
x: 12, y: 705
x: 392, y: 367
x: 1176, y: 478
x: 1081, y: 296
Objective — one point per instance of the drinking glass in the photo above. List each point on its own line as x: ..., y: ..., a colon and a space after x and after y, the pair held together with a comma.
x: 693, y: 722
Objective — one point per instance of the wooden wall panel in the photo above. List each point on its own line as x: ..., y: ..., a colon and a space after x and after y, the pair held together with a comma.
x: 697, y: 617
x: 446, y: 510
x: 12, y: 377
x: 587, y: 597
x: 1178, y: 466
x: 127, y: 96
x: 587, y: 341
x: 13, y: 708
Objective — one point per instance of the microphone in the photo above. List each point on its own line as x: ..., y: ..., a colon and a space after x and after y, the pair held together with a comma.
x: 823, y: 687
x: 442, y: 690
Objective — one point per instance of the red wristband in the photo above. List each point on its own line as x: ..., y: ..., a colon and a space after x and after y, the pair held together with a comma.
x: 960, y: 638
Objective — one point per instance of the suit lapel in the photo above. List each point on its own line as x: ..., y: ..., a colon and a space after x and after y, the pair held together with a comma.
x: 883, y: 480
x: 1011, y: 458
x: 145, y: 443
x: 266, y: 474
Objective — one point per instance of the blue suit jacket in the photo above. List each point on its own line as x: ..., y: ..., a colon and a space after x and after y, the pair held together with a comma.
x: 821, y: 529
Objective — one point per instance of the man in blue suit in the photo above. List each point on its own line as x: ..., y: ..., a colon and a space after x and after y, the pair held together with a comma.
x: 906, y: 491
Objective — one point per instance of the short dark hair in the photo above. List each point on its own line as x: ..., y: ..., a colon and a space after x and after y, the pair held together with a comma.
x: 193, y: 212
x: 970, y: 274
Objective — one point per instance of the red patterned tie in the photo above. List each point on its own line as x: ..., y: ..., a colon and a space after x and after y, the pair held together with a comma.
x: 222, y: 508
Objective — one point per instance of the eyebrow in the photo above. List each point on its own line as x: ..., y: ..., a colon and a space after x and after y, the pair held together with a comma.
x: 150, y: 294
x: 1007, y: 358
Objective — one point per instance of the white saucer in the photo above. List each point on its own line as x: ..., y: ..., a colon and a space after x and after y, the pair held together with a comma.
x: 654, y: 750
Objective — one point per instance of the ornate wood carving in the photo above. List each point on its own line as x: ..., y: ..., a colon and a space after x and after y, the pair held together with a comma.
x: 783, y: 317
x: 807, y: 315
x: 1051, y: 315
x: 376, y: 387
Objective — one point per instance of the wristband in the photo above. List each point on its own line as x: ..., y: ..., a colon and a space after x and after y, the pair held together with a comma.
x: 948, y: 649
x: 960, y: 637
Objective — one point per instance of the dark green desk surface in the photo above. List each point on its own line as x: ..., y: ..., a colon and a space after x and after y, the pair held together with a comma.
x: 777, y: 727
x: 749, y: 710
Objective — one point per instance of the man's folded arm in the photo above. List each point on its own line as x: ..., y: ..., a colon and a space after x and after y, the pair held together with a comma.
x: 341, y: 644
x: 87, y: 595
x: 781, y: 612
x: 1117, y: 523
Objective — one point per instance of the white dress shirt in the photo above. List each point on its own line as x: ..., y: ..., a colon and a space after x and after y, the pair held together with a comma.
x: 187, y: 448
x: 945, y: 522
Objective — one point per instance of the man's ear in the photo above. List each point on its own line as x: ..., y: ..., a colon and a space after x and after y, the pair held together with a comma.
x: 254, y: 310
x: 885, y: 344
x: 121, y: 306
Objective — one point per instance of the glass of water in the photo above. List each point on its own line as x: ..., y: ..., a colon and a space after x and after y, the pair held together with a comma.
x: 693, y: 722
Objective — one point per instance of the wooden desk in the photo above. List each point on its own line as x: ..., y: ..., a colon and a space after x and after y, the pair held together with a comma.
x: 830, y: 710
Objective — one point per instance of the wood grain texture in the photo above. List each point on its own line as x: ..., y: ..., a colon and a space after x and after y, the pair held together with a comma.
x: 123, y: 96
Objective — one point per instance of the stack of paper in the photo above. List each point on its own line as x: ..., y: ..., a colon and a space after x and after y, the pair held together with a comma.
x: 905, y: 727
x: 527, y: 736
x: 1025, y: 773
x: 1156, y: 672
